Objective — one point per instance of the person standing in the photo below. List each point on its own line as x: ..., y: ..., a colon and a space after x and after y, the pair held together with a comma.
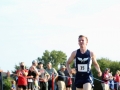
x: 35, y: 74
x: 22, y: 77
x: 43, y: 77
x: 51, y: 71
x: 13, y: 87
x: 68, y: 80
x: 105, y: 79
x: 61, y: 78
x: 1, y: 86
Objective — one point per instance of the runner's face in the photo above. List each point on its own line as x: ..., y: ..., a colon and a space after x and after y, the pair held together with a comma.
x: 82, y: 42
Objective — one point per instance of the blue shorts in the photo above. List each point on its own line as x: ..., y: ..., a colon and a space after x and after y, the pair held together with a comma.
x: 81, y: 79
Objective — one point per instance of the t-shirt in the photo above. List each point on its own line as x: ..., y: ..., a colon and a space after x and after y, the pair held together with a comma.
x: 51, y: 71
x: 43, y: 74
x: 61, y: 76
x: 117, y: 78
x: 105, y: 75
x: 30, y: 73
x: 66, y: 74
x: 22, y: 80
x: 13, y: 87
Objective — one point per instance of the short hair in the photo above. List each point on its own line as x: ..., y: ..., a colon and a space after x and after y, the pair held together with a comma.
x: 83, y: 36
x: 22, y: 63
x: 13, y: 82
x: 49, y: 63
x: 34, y: 61
x: 62, y: 66
x: 117, y: 72
x: 40, y: 63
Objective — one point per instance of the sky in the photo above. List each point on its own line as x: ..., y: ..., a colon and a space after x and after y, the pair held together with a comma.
x: 29, y: 27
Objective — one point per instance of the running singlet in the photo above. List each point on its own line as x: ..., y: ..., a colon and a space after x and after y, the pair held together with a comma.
x: 83, y: 68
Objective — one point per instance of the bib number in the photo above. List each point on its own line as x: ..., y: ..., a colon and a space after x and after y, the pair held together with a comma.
x: 30, y: 80
x: 82, y: 67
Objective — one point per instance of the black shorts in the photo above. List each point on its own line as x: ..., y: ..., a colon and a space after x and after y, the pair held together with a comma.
x: 22, y: 86
x: 43, y: 85
x: 30, y: 85
x: 68, y: 86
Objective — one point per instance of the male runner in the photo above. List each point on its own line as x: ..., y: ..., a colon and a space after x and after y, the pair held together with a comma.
x: 83, y: 60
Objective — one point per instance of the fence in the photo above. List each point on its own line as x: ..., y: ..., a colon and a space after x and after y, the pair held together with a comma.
x: 116, y: 85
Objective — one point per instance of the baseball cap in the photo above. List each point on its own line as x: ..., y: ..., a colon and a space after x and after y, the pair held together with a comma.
x: 106, y: 69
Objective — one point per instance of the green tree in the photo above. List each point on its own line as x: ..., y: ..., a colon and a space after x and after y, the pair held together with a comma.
x: 16, y: 68
x: 7, y: 83
x: 55, y: 57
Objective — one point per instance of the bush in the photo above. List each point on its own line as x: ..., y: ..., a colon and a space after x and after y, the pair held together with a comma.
x: 7, y: 83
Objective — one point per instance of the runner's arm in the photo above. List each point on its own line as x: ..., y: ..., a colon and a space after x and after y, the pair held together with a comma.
x: 95, y: 63
x: 71, y: 58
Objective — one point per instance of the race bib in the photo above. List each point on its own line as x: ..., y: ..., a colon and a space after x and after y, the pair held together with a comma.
x: 30, y: 80
x: 82, y: 67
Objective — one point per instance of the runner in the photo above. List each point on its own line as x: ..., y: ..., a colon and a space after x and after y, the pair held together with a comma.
x: 83, y: 60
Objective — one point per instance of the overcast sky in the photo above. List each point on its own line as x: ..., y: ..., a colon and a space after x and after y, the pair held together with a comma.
x: 29, y: 27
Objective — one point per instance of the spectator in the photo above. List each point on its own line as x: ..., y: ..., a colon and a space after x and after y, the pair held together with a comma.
x: 68, y: 80
x: 13, y: 87
x: 105, y: 79
x: 30, y: 78
x: 61, y: 78
x: 1, y: 79
x: 35, y: 74
x: 51, y: 71
x: 111, y: 81
x: 73, y: 79
x: 1, y: 70
x: 16, y: 78
x: 117, y: 79
x: 43, y: 77
x: 22, y: 77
